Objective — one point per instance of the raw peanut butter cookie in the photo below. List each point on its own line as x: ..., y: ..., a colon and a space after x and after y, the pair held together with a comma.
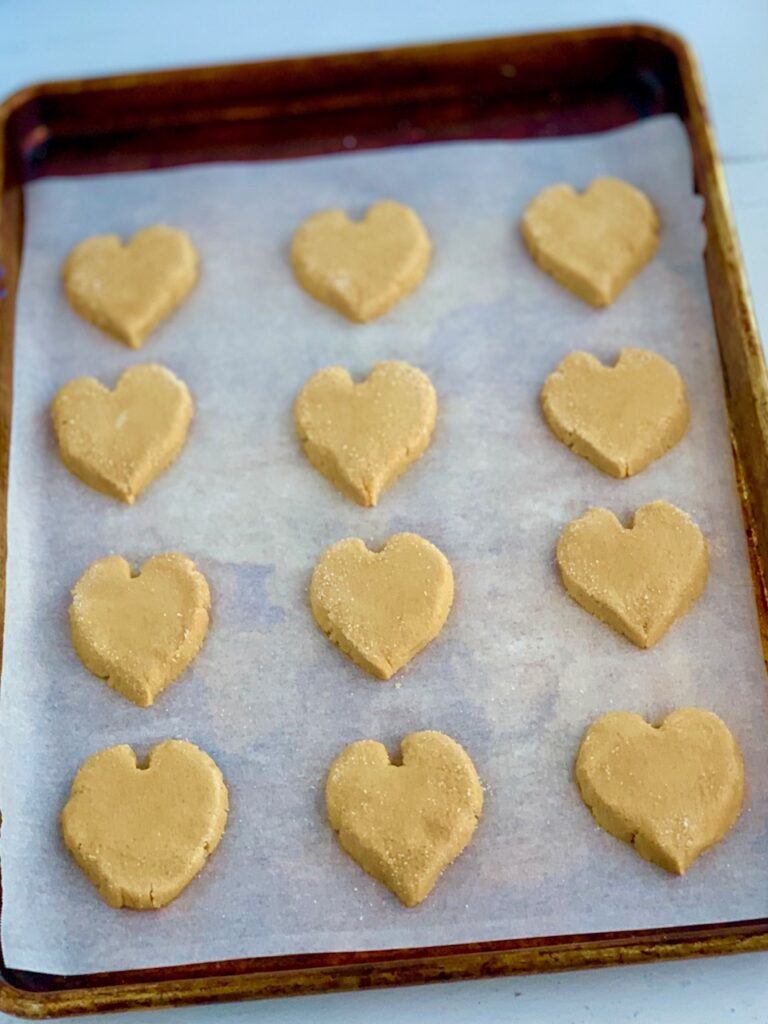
x: 619, y: 417
x: 118, y: 441
x: 637, y: 580
x: 141, y: 834
x: 126, y: 290
x: 382, y: 607
x: 362, y: 437
x: 361, y: 268
x: 593, y: 244
x: 670, y: 790
x: 139, y: 631
x: 404, y: 823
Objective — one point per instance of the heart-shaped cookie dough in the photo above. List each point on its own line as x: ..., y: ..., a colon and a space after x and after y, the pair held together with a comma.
x: 118, y: 441
x: 382, y: 607
x: 142, y: 834
x: 126, y: 290
x: 139, y: 631
x: 363, y: 436
x: 593, y: 244
x: 637, y: 580
x: 619, y: 417
x: 671, y: 791
x: 404, y: 823
x: 361, y: 268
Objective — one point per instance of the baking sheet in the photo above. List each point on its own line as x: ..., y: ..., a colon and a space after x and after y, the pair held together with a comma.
x: 519, y: 670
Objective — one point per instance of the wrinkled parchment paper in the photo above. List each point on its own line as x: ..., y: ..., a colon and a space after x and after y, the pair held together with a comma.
x: 519, y: 670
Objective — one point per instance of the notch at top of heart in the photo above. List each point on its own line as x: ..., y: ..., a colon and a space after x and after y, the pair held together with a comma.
x: 126, y: 289
x: 361, y: 268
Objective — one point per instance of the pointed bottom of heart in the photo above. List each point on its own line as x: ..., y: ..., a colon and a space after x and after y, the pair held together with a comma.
x: 141, y: 834
x: 404, y: 823
x: 671, y: 791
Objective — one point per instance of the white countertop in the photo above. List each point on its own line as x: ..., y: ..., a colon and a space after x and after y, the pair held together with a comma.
x: 45, y: 39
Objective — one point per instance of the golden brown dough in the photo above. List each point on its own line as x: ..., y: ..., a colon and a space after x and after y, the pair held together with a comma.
x: 382, y: 607
x: 404, y: 823
x: 594, y: 243
x: 637, y: 580
x: 142, y: 834
x: 620, y: 417
x: 361, y: 268
x: 362, y: 437
x: 139, y: 631
x: 127, y: 289
x: 671, y: 791
x: 119, y: 441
